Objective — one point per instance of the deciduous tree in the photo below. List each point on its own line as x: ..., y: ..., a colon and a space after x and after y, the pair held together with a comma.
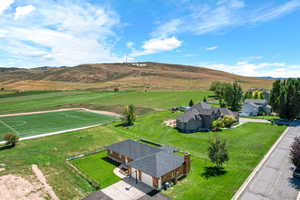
x: 217, y: 151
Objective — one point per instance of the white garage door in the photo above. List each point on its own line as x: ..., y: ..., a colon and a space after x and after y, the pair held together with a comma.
x: 147, y: 179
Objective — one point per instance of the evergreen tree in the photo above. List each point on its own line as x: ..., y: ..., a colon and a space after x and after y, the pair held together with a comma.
x: 191, y: 103
x: 129, y: 115
x: 285, y: 98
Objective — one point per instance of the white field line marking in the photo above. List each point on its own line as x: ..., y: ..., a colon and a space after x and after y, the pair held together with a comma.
x: 298, y: 197
x: 258, y: 167
x: 9, y: 127
x: 61, y: 110
x: 55, y: 133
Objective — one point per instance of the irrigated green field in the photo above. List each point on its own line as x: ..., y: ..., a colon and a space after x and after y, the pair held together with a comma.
x: 35, y: 124
x: 111, y: 101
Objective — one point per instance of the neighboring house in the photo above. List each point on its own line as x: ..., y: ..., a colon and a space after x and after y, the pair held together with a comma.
x: 255, y: 107
x: 200, y: 117
x: 150, y: 165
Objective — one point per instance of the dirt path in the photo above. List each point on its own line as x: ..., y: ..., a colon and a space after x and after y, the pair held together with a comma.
x: 40, y: 176
x: 63, y: 109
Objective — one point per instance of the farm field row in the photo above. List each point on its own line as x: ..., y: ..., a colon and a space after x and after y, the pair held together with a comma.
x: 247, y: 145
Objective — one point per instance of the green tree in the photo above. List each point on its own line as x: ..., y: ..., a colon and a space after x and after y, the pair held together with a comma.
x: 191, y: 103
x: 233, y: 96
x: 217, y: 151
x: 11, y: 139
x: 219, y: 88
x: 129, y: 115
x: 285, y: 98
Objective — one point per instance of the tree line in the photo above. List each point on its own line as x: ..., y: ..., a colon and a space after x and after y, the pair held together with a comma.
x: 285, y: 98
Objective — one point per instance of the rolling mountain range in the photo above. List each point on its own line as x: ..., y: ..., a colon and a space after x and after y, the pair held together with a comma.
x: 143, y: 75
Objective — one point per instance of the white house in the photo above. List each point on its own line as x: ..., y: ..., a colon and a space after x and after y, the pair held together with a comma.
x: 253, y: 107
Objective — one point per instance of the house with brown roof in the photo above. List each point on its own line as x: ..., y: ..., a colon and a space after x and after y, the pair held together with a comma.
x: 150, y: 165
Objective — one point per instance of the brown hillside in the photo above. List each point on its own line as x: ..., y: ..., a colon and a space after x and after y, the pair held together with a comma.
x: 157, y: 76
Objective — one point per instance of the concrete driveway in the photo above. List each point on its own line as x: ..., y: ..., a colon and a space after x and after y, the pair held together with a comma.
x: 126, y: 190
x: 273, y: 180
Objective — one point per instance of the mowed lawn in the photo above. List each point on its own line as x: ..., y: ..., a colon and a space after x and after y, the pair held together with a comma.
x: 99, y: 168
x: 247, y: 145
x: 35, y: 124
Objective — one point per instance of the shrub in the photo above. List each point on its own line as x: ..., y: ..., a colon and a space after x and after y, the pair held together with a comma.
x: 217, y: 125
x: 11, y: 139
x: 228, y: 120
x: 295, y: 152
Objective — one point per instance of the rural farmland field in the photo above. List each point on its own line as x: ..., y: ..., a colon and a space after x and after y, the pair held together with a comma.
x: 35, y: 124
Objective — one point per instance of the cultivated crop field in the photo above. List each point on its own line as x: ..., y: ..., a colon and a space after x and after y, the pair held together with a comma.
x: 35, y: 124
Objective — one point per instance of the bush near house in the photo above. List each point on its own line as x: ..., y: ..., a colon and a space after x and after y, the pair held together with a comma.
x: 217, y: 125
x: 225, y: 122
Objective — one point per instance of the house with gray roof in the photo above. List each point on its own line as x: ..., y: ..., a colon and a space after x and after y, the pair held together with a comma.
x: 200, y: 117
x: 255, y: 107
x: 150, y: 165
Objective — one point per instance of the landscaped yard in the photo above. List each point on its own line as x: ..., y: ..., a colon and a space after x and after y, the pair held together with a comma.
x: 246, y: 144
x: 99, y: 168
x: 35, y: 124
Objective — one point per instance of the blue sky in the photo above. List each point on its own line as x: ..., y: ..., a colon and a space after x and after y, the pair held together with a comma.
x: 252, y: 38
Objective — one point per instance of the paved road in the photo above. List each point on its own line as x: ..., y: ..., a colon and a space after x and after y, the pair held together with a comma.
x: 274, y: 180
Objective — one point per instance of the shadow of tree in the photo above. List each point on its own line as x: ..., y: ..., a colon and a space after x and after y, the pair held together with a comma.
x: 6, y: 147
x: 123, y: 124
x: 213, y: 171
x: 295, y: 183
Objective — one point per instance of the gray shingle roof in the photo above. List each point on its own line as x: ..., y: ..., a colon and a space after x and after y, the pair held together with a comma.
x: 132, y: 149
x: 158, y: 164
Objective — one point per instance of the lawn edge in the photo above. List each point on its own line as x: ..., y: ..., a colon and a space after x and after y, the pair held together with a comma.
x: 258, y: 167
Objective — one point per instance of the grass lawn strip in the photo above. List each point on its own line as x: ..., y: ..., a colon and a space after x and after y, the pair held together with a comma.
x: 99, y: 168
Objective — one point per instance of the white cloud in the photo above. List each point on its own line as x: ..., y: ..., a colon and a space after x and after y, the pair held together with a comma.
x: 259, y: 69
x: 206, y: 18
x: 275, y: 12
x: 60, y: 33
x: 129, y: 44
x: 23, y: 11
x: 171, y: 27
x: 156, y: 45
x: 5, y: 4
x: 212, y: 48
